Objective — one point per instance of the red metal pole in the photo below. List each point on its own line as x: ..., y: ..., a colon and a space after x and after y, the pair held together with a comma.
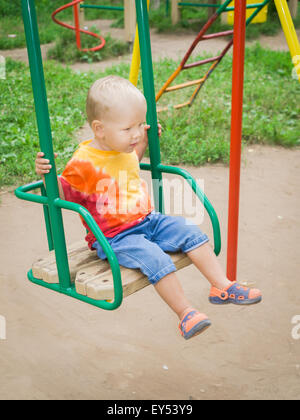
x: 236, y: 135
x: 77, y: 25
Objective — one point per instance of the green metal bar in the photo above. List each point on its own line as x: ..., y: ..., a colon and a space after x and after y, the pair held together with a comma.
x: 116, y: 8
x: 111, y: 257
x: 200, y: 194
x: 43, y: 122
x: 148, y: 83
x: 250, y: 18
x: 22, y: 193
x: 167, y: 7
x: 249, y: 6
x: 47, y: 221
x: 223, y: 7
x: 72, y: 293
x: 198, y: 4
x: 204, y: 200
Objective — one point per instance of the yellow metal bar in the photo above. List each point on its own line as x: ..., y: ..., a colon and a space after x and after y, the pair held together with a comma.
x: 136, y: 57
x: 290, y: 33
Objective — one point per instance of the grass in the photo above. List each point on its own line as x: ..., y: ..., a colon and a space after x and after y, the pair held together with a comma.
x: 11, y: 24
x: 65, y: 49
x: 195, y: 135
x: 12, y: 29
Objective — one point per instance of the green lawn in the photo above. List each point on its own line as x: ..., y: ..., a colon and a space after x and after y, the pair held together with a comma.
x: 11, y: 24
x: 193, y: 135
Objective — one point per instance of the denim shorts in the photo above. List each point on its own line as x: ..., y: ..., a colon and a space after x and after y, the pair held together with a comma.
x: 143, y: 245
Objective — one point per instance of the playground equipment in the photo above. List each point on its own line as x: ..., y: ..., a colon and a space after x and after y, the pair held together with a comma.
x: 212, y: 6
x: 78, y: 12
x: 76, y: 272
x: 261, y: 17
x: 254, y: 10
x: 290, y: 33
x: 76, y: 28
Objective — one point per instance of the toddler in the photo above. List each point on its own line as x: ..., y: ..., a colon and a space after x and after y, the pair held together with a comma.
x: 104, y: 176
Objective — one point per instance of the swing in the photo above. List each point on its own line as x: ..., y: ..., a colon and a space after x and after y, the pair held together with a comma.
x: 77, y: 272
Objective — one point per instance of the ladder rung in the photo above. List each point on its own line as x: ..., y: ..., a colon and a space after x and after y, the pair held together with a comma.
x: 184, y: 85
x: 166, y: 108
x: 217, y: 35
x: 199, y: 63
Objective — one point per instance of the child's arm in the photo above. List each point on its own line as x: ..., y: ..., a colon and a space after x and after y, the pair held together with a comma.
x: 43, y: 167
x: 142, y: 146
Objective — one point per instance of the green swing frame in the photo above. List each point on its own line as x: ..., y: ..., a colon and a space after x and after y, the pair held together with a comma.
x: 49, y: 196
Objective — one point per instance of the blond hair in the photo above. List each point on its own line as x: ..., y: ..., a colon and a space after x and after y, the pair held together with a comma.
x: 106, y: 93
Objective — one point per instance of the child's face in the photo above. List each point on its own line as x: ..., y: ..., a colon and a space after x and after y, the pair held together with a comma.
x: 123, y: 128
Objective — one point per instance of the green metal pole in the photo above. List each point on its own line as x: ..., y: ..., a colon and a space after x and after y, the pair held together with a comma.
x: 43, y: 122
x: 94, y: 6
x: 148, y: 83
x: 47, y: 221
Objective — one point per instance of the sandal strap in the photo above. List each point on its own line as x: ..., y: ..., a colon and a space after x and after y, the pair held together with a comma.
x: 220, y: 293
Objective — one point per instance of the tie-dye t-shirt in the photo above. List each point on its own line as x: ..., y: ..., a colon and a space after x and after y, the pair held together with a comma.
x: 108, y: 184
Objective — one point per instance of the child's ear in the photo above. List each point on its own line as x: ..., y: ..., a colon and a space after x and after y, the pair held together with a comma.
x: 97, y: 128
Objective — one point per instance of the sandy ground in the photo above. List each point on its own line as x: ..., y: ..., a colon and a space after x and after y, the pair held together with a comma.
x: 60, y: 348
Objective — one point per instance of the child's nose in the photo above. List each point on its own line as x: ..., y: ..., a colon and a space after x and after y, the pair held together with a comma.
x: 136, y: 133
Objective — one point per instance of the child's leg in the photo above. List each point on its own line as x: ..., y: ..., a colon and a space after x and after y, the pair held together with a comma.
x: 170, y: 290
x: 206, y: 261
x: 192, y: 322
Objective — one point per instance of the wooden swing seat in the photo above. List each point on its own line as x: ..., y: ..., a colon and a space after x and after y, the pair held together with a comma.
x: 93, y: 276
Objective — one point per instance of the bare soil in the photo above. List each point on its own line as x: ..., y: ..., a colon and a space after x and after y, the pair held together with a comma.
x: 60, y: 348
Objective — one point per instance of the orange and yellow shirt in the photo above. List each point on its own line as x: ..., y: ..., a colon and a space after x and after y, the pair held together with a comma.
x: 108, y: 184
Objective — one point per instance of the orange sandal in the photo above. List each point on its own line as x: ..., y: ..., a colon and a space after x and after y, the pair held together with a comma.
x: 235, y: 293
x: 193, y: 323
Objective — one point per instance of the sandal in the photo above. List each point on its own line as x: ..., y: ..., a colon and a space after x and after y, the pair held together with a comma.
x: 193, y: 323
x: 235, y: 293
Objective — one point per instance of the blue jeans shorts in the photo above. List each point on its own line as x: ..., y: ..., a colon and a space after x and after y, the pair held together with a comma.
x: 143, y: 245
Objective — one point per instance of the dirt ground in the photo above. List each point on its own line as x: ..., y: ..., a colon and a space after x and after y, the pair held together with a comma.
x: 59, y: 348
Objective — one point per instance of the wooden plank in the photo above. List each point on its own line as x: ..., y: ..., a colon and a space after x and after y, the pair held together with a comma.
x: 93, y: 276
x: 224, y: 16
x: 96, y: 281
x: 293, y: 6
x: 175, y: 15
x: 78, y: 255
x: 81, y: 15
x: 129, y: 20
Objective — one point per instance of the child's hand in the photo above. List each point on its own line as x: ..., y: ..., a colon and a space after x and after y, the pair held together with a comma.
x: 42, y: 166
x: 159, y: 128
